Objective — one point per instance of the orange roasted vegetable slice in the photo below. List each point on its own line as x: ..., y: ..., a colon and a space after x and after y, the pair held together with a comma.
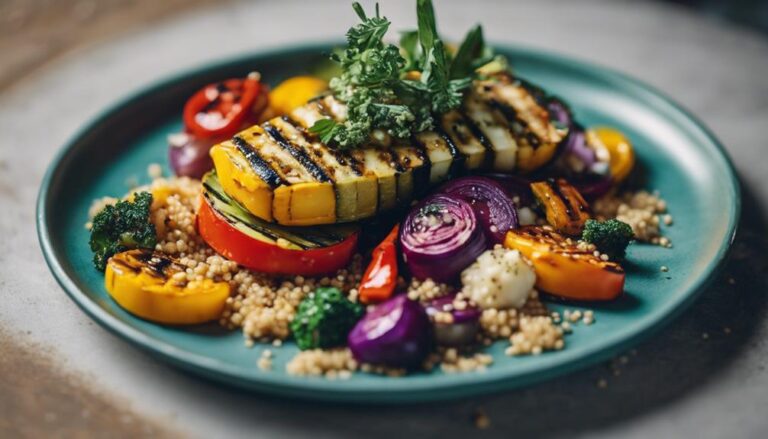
x: 153, y: 286
x: 562, y: 268
x: 565, y: 208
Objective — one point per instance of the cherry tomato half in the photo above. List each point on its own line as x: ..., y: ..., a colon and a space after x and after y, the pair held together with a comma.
x: 219, y: 110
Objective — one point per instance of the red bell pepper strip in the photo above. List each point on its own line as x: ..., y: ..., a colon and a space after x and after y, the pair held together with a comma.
x: 380, y: 277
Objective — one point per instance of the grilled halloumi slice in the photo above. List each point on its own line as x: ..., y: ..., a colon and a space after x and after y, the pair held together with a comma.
x: 280, y: 172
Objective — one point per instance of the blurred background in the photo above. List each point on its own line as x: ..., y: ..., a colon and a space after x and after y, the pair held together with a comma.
x: 33, y: 32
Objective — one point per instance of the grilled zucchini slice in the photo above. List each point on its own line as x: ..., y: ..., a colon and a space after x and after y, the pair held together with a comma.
x: 296, y: 238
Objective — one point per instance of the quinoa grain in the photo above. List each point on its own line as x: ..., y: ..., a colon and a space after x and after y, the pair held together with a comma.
x: 535, y: 335
x: 641, y: 210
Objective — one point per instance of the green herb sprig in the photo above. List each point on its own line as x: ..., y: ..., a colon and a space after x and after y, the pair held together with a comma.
x: 398, y: 90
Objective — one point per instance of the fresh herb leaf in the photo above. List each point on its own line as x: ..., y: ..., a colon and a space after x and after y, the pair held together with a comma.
x: 398, y: 90
x: 425, y: 17
x: 325, y: 129
x: 471, y: 48
x: 445, y: 94
x: 369, y: 33
x: 409, y: 45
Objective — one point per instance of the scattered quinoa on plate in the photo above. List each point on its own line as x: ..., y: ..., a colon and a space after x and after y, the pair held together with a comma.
x: 418, y: 206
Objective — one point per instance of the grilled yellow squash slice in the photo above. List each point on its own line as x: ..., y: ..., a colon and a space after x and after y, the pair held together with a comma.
x: 280, y: 172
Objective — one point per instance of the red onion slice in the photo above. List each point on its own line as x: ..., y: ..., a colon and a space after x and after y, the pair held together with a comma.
x: 445, y: 304
x: 395, y: 333
x: 440, y: 237
x: 514, y: 186
x: 493, y: 207
x: 580, y: 157
x: 189, y: 156
x: 559, y: 112
x: 463, y: 328
x: 594, y: 188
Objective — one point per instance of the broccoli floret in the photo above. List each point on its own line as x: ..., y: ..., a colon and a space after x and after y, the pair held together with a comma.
x: 120, y: 227
x: 611, y: 237
x: 324, y: 319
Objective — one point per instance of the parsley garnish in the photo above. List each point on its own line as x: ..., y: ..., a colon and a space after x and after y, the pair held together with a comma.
x: 398, y: 90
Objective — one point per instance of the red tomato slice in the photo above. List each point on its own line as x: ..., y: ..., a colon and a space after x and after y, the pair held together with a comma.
x: 266, y: 257
x: 219, y: 110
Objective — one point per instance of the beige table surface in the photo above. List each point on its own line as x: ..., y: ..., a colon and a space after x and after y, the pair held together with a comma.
x: 704, y: 376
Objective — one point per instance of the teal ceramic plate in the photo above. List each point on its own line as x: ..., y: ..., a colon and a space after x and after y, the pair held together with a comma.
x: 680, y: 157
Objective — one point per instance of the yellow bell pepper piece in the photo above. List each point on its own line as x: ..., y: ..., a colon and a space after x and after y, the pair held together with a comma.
x: 145, y: 284
x: 295, y: 92
x: 622, y: 155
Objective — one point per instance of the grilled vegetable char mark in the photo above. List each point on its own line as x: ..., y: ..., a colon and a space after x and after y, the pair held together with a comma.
x: 554, y: 240
x: 518, y: 127
x: 342, y: 157
x: 356, y: 193
x: 458, y: 158
x: 259, y: 165
x: 298, y: 153
x: 570, y: 203
x: 565, y: 208
x: 457, y: 128
x: 414, y: 160
x: 490, y: 152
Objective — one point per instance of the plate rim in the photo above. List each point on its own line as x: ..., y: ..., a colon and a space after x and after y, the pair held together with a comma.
x: 407, y: 390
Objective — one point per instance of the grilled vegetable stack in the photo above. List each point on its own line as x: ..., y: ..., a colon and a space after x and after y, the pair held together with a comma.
x: 281, y: 172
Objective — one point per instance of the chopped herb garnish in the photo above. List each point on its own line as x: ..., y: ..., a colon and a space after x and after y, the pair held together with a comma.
x: 325, y: 129
x: 398, y: 90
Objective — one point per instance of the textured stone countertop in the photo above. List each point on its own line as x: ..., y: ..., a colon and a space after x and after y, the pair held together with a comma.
x: 703, y: 376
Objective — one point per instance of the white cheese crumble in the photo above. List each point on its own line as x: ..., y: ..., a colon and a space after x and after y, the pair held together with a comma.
x: 499, y: 278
